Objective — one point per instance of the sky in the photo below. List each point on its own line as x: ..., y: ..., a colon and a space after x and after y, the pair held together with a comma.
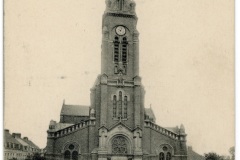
x: 52, y: 52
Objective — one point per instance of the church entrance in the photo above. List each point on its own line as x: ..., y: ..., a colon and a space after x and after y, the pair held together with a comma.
x: 119, y: 158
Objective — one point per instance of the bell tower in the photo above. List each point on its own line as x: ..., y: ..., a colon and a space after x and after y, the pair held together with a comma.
x: 120, y: 53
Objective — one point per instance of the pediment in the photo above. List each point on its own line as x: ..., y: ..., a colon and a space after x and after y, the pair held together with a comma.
x: 119, y: 126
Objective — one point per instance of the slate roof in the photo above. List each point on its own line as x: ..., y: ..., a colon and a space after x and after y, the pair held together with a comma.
x: 74, y: 110
x: 192, y: 155
x: 60, y: 126
x: 20, y: 140
x: 29, y: 142
x: 173, y: 129
x: 9, y: 138
x: 149, y: 112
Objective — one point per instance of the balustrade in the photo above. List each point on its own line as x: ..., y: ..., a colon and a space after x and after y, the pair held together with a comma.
x: 161, y: 130
x: 70, y: 129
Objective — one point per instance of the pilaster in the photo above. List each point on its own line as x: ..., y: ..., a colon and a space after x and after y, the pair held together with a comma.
x: 104, y: 100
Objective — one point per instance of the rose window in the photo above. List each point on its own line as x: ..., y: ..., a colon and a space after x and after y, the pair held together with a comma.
x: 119, y: 145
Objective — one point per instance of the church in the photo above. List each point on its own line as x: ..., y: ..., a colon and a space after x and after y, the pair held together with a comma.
x: 116, y: 125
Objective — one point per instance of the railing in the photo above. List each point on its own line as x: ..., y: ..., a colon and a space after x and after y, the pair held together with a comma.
x: 70, y: 129
x: 162, y: 130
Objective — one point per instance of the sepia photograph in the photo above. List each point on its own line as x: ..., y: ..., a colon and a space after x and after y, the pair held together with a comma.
x: 119, y: 80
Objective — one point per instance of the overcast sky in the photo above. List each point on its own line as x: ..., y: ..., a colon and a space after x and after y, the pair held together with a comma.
x: 53, y: 48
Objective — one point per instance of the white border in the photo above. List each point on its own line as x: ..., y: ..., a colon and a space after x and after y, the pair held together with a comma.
x: 237, y: 79
x: 1, y: 84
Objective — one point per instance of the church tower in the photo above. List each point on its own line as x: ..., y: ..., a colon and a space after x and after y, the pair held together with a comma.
x: 116, y: 125
x: 118, y: 89
x: 117, y: 96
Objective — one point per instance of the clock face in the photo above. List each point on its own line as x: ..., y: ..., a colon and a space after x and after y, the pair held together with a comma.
x: 120, y: 30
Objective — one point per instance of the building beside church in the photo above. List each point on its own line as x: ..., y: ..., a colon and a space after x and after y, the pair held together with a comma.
x: 116, y: 125
x: 16, y: 147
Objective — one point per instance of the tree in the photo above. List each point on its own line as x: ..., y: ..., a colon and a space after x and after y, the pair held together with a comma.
x: 232, y: 152
x: 37, y: 156
x: 212, y: 156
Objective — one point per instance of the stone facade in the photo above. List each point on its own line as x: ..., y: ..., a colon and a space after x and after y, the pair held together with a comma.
x: 117, y: 125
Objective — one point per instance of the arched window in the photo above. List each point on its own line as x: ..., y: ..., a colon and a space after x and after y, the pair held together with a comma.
x: 169, y: 156
x: 114, y: 106
x: 161, y: 156
x: 71, y: 151
x: 119, y: 145
x: 125, y: 107
x: 120, y: 104
x: 67, y: 155
x: 74, y: 155
x: 116, y: 49
x: 124, y: 50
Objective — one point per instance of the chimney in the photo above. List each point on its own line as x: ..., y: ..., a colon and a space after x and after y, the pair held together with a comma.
x: 6, y: 130
x: 25, y: 138
x: 16, y: 135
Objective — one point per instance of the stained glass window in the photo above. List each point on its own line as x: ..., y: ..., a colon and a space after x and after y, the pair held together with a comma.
x: 114, y: 106
x: 165, y: 148
x: 169, y: 157
x: 67, y: 155
x: 125, y: 107
x: 75, y: 155
x: 120, y: 104
x: 119, y: 145
x: 161, y: 156
x: 71, y: 146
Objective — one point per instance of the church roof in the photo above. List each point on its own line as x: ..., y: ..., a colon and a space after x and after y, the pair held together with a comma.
x: 8, y: 138
x: 60, y: 126
x: 74, y: 110
x: 173, y: 129
x: 192, y: 155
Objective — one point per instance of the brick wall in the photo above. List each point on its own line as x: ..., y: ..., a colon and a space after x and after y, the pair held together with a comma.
x: 152, y: 141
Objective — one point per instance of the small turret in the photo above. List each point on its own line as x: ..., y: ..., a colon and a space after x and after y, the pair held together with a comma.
x: 182, y: 129
x: 182, y: 133
x: 52, y: 124
x: 92, y: 114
